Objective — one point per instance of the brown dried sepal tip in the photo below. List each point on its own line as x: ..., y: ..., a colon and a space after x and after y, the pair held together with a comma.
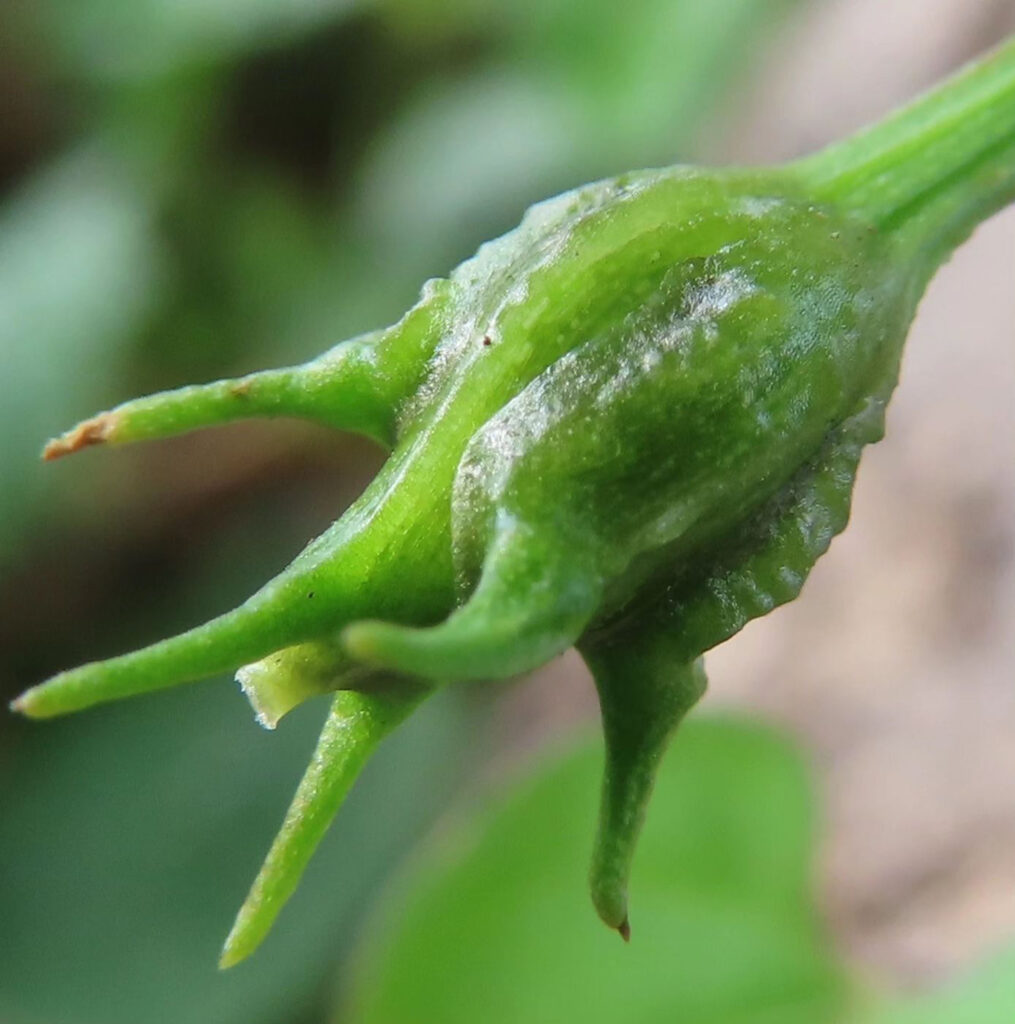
x: 94, y: 431
x: 624, y: 928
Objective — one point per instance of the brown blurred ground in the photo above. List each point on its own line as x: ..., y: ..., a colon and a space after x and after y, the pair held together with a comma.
x: 897, y: 666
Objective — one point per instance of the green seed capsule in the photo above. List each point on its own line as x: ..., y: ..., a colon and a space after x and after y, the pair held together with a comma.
x: 630, y: 426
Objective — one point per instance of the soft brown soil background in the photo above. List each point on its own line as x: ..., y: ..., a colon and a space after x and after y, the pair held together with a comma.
x: 896, y: 668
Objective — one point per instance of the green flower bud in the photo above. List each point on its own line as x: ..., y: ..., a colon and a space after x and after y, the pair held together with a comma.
x: 630, y: 425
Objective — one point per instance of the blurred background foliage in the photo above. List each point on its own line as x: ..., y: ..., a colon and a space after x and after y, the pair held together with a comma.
x: 725, y: 927
x: 195, y: 189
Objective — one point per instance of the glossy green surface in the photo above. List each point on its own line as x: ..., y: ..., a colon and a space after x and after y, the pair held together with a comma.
x: 630, y: 425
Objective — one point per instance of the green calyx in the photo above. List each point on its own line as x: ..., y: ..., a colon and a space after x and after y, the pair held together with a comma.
x: 631, y: 425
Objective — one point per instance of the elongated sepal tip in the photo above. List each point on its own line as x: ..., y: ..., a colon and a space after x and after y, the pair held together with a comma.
x: 33, y: 704
x: 250, y: 927
x: 234, y: 951
x: 609, y: 897
x: 98, y: 430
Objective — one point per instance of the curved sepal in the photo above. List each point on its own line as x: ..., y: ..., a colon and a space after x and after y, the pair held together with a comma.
x: 358, y: 386
x: 302, y: 602
x: 532, y: 602
x: 643, y: 695
x: 355, y: 725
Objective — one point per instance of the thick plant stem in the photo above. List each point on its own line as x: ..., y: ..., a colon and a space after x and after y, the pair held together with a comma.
x: 938, y: 167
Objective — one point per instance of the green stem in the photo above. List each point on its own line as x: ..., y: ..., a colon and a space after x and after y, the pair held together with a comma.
x: 936, y: 168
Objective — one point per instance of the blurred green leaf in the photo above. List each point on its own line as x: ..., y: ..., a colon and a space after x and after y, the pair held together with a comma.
x: 646, y: 74
x: 572, y: 92
x: 128, y: 839
x: 460, y: 164
x: 140, y: 39
x: 80, y: 269
x: 985, y: 996
x: 494, y: 924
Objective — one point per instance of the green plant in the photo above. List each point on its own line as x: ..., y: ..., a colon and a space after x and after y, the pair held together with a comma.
x: 485, y: 916
x: 630, y: 425
x: 728, y: 930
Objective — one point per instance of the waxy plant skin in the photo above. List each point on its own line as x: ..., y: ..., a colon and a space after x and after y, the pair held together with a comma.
x: 630, y: 426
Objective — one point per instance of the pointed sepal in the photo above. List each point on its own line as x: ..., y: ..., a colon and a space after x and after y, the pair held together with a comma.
x: 356, y: 723
x: 358, y: 385
x: 533, y: 600
x: 643, y: 695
